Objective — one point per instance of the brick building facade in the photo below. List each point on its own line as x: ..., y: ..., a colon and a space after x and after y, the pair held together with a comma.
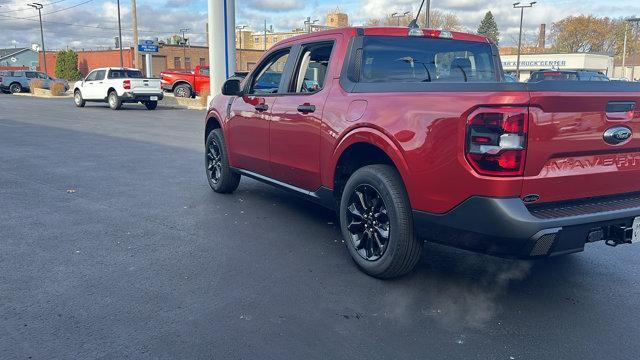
x: 173, y: 57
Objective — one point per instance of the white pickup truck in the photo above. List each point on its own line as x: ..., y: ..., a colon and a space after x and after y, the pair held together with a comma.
x: 117, y: 86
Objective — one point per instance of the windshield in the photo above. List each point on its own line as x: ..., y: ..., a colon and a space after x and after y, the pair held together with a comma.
x: 417, y: 59
x: 125, y: 74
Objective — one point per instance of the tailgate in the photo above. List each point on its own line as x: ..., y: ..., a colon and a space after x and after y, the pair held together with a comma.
x: 583, y: 141
x: 145, y: 86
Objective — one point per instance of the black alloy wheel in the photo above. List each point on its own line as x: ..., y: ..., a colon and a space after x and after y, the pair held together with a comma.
x: 214, y: 161
x: 221, y: 177
x: 368, y: 222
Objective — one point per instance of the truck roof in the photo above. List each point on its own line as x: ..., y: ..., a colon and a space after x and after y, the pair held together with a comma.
x: 400, y: 31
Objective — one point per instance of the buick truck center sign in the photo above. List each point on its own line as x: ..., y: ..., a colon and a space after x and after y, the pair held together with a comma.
x: 536, y: 63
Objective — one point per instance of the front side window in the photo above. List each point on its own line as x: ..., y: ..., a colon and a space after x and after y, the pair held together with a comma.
x: 100, y: 74
x: 30, y: 75
x: 418, y: 59
x: 91, y: 76
x: 312, y: 68
x: 204, y: 71
x: 268, y: 75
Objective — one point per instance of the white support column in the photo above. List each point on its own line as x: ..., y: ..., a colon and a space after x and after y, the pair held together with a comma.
x: 222, y: 49
x: 149, y: 64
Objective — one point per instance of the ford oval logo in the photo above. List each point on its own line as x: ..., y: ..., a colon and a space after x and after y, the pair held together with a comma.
x: 617, y: 135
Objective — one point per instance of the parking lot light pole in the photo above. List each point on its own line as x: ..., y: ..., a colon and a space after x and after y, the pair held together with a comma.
x: 521, y: 7
x: 184, y: 46
x: 624, y: 47
x: 39, y: 7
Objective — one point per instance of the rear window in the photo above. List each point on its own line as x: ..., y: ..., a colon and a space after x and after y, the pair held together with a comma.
x: 125, y: 74
x: 416, y: 59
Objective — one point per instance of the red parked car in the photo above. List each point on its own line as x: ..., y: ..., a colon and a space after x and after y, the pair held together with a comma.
x: 185, y: 84
x: 413, y: 135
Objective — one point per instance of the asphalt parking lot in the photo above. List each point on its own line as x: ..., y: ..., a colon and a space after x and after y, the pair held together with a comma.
x: 112, y: 246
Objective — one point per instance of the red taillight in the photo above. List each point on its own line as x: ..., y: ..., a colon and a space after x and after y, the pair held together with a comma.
x: 552, y: 73
x: 496, y: 141
x: 126, y: 84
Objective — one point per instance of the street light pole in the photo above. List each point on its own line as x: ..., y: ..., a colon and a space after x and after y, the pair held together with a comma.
x: 184, y: 46
x: 39, y: 7
x: 521, y: 7
x: 624, y: 47
x: 398, y: 16
x: 240, y: 28
x: 308, y: 23
x: 120, y: 36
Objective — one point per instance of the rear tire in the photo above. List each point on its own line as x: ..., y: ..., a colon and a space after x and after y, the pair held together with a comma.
x: 78, y: 99
x: 15, y: 88
x: 221, y: 178
x: 114, y: 101
x: 151, y: 105
x: 377, y: 223
x: 182, y: 90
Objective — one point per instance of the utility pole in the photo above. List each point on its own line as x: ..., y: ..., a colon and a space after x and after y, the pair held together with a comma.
x: 428, y: 14
x: 265, y: 34
x: 134, y: 25
x: 39, y: 7
x: 521, y: 7
x: 624, y: 47
x: 184, y: 46
x: 120, y: 36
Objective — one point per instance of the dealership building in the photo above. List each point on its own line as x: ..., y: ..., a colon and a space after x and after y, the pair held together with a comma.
x: 580, y: 61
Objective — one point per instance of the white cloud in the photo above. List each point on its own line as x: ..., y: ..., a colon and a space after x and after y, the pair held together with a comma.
x: 163, y: 18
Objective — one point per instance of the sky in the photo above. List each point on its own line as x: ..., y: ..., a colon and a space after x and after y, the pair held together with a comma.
x: 92, y: 24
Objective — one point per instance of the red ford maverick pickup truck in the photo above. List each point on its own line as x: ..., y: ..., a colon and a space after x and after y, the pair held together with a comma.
x: 413, y: 134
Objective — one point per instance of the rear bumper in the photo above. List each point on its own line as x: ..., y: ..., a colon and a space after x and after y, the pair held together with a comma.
x: 506, y: 227
x: 132, y: 97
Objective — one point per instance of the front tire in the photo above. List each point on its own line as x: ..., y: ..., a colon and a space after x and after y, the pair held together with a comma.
x: 377, y: 223
x: 78, y: 99
x: 222, y: 179
x: 114, y: 101
x: 15, y: 88
x: 151, y: 105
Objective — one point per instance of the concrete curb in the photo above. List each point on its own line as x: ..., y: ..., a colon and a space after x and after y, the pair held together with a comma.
x: 181, y: 103
x: 45, y: 94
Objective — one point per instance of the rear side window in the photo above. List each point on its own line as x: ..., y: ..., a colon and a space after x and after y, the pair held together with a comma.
x: 417, y: 59
x: 125, y: 74
x: 311, y: 70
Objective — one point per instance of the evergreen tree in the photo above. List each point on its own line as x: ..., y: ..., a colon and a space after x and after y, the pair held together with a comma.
x: 489, y: 28
x: 67, y: 65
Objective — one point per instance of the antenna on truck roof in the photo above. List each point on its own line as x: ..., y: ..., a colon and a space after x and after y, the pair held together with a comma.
x: 414, y: 28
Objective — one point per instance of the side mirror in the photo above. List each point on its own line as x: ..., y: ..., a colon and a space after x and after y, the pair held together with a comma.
x: 231, y: 87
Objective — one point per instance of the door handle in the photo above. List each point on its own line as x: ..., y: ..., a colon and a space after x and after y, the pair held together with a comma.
x: 306, y: 108
x: 262, y: 107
